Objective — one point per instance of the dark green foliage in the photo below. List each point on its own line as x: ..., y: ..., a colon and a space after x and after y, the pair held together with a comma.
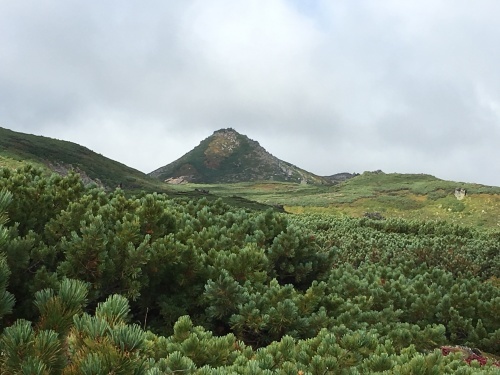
x: 6, y: 298
x: 36, y: 198
x: 297, y: 259
x: 150, y: 285
x: 57, y: 309
x: 25, y: 351
x: 104, y: 343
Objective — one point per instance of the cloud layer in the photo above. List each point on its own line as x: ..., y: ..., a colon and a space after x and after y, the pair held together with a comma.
x: 409, y: 87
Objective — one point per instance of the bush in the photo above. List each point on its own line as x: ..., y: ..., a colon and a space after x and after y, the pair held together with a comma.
x: 452, y: 204
x: 437, y: 194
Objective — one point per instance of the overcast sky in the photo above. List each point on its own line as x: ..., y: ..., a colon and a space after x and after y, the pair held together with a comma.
x: 407, y: 86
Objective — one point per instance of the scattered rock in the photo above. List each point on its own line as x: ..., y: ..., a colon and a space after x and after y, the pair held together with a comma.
x: 460, y: 193
x: 177, y: 180
x: 202, y: 191
x: 63, y: 169
x: 339, y: 177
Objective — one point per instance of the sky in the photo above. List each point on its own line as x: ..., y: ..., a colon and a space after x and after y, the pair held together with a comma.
x: 331, y: 86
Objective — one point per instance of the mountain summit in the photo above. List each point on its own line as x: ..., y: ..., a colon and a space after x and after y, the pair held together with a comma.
x: 228, y: 156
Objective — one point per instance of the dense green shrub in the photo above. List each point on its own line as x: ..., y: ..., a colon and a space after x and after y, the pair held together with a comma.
x: 150, y: 285
x: 6, y: 298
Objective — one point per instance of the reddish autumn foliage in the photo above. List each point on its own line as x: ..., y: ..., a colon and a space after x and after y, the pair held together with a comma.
x: 468, y: 354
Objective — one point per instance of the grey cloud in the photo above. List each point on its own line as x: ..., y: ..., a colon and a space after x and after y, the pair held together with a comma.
x: 330, y: 86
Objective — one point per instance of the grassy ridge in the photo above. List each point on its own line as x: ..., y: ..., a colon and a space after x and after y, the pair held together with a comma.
x: 411, y: 196
x: 17, y: 149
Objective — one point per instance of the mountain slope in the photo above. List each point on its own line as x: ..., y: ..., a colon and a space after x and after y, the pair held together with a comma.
x: 19, y: 149
x: 377, y: 194
x: 60, y: 156
x: 228, y: 156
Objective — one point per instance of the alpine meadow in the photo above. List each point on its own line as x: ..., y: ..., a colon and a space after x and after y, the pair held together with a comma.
x: 231, y: 261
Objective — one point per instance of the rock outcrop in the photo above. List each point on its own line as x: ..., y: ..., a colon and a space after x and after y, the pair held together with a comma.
x: 228, y: 156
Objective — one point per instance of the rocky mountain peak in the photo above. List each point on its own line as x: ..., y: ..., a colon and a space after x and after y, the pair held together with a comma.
x: 228, y: 156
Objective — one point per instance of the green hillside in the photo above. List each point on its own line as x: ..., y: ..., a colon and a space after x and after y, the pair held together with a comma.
x: 392, y: 195
x: 20, y: 151
x: 388, y: 195
x: 17, y: 149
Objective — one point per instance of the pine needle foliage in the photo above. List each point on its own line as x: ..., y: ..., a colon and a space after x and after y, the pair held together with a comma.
x: 7, y: 300
x: 26, y: 351
x: 151, y: 285
x: 57, y: 309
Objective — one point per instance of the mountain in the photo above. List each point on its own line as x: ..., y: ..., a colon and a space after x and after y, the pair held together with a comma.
x: 227, y: 157
x: 17, y: 149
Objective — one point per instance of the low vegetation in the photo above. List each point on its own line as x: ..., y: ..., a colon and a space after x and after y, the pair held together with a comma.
x: 410, y: 196
x: 100, y: 282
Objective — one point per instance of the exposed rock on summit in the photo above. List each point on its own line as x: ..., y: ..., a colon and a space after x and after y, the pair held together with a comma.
x: 228, y: 156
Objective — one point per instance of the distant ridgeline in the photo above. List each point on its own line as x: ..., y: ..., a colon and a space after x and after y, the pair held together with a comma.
x: 18, y: 149
x: 225, y: 156
x: 340, y: 177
